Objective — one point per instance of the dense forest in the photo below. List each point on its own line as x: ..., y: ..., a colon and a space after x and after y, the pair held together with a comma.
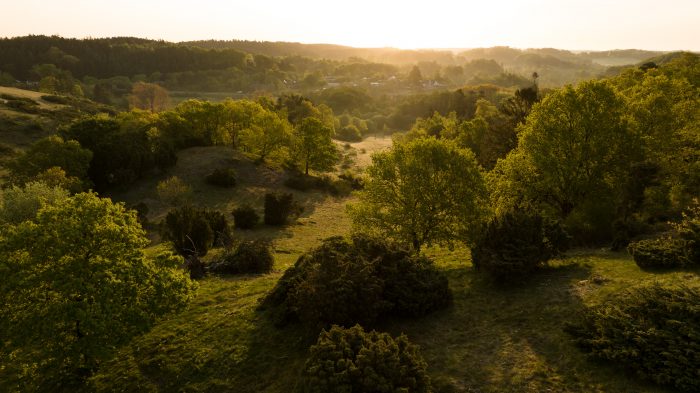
x: 215, y: 216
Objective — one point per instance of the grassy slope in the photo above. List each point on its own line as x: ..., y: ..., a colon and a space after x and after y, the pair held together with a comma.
x: 491, y: 340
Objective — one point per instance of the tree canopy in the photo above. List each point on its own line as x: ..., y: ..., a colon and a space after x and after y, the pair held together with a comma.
x: 424, y: 191
x: 76, y: 285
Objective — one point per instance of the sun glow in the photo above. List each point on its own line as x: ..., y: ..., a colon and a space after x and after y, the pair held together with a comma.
x: 572, y: 24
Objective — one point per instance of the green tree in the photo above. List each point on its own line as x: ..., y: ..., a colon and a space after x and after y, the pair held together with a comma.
x: 576, y: 147
x: 313, y: 146
x: 51, y: 152
x: 422, y: 192
x: 414, y: 77
x: 18, y: 204
x: 77, y: 285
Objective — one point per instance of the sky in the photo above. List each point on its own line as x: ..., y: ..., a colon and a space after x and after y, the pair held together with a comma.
x: 407, y: 24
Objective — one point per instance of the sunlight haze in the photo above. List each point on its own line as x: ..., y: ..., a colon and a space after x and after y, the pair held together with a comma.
x: 569, y: 24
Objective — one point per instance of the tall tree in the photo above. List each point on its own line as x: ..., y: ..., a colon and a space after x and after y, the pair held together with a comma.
x: 422, y: 192
x: 76, y: 285
x: 149, y: 96
x: 313, y: 146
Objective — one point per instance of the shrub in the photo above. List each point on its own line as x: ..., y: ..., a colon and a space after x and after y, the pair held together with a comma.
x: 352, y: 360
x: 347, y: 282
x: 516, y: 244
x: 679, y: 250
x: 222, y: 178
x: 194, y: 231
x: 173, y: 191
x: 665, y: 252
x: 349, y: 133
x: 279, y: 207
x: 245, y: 217
x: 653, y: 330
x: 249, y: 256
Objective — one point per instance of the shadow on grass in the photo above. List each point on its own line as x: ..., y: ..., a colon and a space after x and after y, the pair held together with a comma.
x: 510, y: 338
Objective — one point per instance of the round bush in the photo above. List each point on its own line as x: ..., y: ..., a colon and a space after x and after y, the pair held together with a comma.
x: 345, y: 282
x: 352, y: 360
x: 222, y: 178
x: 245, y: 217
x: 660, y: 253
x: 653, y: 330
x: 517, y: 244
x: 250, y: 256
x: 279, y: 207
x: 195, y: 231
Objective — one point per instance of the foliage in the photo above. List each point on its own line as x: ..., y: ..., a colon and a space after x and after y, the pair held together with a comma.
x: 420, y: 192
x: 664, y: 252
x: 194, y: 231
x: 222, y: 177
x: 148, y: 96
x: 352, y: 360
x: 574, y: 150
x: 124, y: 149
x: 173, y: 191
x: 517, y: 243
x: 680, y: 249
x: 245, y: 217
x: 246, y: 257
x: 346, y: 282
x: 48, y: 153
x: 18, y: 204
x: 653, y: 330
x: 56, y: 177
x: 313, y: 146
x: 76, y: 285
x: 279, y: 207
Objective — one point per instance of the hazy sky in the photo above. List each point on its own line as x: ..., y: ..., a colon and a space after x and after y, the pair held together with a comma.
x: 568, y: 24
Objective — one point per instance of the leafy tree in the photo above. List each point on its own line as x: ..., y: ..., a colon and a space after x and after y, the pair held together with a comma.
x: 48, y: 153
x: 422, y: 192
x: 173, y: 191
x: 268, y: 135
x: 573, y: 152
x: 77, y: 285
x: 313, y: 146
x: 18, y: 204
x: 149, y: 96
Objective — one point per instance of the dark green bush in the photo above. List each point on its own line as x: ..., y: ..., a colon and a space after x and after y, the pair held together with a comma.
x: 352, y: 360
x: 194, y: 231
x: 347, y: 282
x: 222, y: 178
x: 349, y: 133
x: 63, y: 100
x: 665, y: 252
x: 517, y: 244
x: 249, y: 256
x: 245, y: 217
x: 279, y: 207
x: 680, y: 250
x: 652, y: 330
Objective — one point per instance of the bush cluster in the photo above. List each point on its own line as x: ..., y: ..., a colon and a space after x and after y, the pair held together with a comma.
x: 653, y: 330
x: 345, y: 282
x: 194, y: 231
x: 517, y: 244
x: 245, y: 217
x: 665, y: 252
x: 249, y: 256
x: 352, y: 360
x: 678, y: 250
x: 222, y: 178
x: 342, y: 186
x: 279, y: 207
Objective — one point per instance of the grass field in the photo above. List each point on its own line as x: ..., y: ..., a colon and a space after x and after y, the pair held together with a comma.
x: 492, y: 339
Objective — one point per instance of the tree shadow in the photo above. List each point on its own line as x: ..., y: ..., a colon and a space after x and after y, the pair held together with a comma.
x: 510, y: 338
